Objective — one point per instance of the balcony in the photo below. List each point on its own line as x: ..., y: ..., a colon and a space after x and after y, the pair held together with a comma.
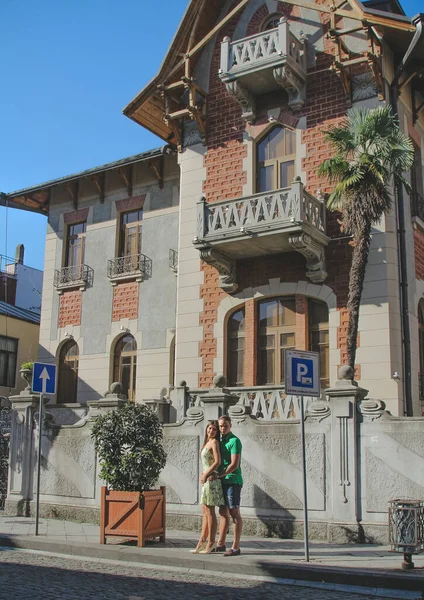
x: 266, y: 223
x: 75, y: 276
x: 133, y: 266
x: 263, y: 63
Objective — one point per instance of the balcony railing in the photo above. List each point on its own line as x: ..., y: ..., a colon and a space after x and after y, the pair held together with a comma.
x: 264, y: 62
x: 262, y: 212
x: 417, y: 206
x: 271, y: 403
x: 134, y: 266
x: 73, y: 276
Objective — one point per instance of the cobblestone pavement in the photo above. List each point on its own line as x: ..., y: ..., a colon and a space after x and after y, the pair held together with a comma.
x: 37, y: 576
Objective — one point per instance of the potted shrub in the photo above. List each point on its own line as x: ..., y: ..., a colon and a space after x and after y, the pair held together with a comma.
x: 128, y: 442
x: 26, y: 374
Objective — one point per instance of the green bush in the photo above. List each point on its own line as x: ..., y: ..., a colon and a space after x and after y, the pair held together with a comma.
x: 128, y: 442
x: 27, y: 366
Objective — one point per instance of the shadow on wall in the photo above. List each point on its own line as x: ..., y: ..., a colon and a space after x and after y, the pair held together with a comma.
x: 281, y: 526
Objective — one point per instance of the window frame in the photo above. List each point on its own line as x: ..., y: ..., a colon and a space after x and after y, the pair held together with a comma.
x: 66, y: 366
x: 118, y: 365
x: 8, y: 382
x: 276, y: 162
x: 69, y: 246
x: 124, y: 235
x: 320, y: 327
x: 265, y: 25
x: 421, y: 348
x: 232, y: 379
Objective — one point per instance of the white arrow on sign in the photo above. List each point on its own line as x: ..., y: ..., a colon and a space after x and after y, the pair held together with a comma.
x: 44, y: 377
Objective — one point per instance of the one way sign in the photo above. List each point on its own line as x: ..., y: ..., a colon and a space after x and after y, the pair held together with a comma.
x: 44, y: 378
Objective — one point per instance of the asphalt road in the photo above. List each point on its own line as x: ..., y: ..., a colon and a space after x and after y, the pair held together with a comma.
x: 33, y: 575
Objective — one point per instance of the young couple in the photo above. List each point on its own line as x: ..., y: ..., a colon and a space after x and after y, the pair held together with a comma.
x: 222, y: 483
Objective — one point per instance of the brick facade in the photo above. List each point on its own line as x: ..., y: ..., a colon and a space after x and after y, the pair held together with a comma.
x: 125, y: 301
x: 225, y: 179
x: 70, y: 306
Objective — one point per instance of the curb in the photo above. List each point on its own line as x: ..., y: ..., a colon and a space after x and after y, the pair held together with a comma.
x: 318, y: 574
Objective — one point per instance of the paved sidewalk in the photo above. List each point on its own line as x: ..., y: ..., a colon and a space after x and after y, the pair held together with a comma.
x: 353, y: 564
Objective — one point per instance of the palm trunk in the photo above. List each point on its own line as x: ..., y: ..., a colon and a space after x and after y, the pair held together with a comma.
x: 356, y: 284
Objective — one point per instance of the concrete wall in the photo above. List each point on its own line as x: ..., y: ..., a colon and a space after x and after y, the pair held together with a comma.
x: 28, y: 288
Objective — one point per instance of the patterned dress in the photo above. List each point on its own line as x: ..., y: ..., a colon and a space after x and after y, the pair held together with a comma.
x: 212, y: 494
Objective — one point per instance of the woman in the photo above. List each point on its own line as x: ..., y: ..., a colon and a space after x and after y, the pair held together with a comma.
x: 212, y: 494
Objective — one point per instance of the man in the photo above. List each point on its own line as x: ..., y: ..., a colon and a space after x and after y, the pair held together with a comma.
x: 232, y: 481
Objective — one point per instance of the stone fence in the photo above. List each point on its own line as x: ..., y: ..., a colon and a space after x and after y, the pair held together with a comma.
x: 358, y: 458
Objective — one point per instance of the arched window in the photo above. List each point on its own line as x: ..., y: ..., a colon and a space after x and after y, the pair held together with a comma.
x: 68, y: 373
x: 125, y: 364
x: 271, y: 22
x: 236, y: 345
x: 421, y: 346
x: 276, y: 155
x: 319, y: 338
x: 277, y: 332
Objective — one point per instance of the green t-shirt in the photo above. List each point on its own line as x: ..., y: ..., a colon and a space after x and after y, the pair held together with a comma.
x: 230, y: 444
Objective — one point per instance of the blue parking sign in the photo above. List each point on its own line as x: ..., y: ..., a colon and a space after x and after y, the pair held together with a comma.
x: 302, y: 376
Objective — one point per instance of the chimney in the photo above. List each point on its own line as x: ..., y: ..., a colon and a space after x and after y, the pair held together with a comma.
x: 19, y: 254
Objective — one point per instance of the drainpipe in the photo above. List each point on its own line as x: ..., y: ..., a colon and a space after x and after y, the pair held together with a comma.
x: 400, y: 209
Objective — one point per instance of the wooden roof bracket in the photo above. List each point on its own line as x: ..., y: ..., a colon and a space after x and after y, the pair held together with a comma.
x: 416, y: 109
x: 73, y: 190
x: 127, y: 176
x: 100, y: 183
x: 157, y: 165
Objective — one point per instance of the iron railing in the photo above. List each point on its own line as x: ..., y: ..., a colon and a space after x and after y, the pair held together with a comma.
x: 134, y: 265
x: 73, y: 276
x: 417, y: 206
x: 173, y: 260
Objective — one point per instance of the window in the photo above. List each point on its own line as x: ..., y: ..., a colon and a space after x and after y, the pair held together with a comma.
x: 271, y: 22
x: 68, y: 373
x: 236, y: 346
x: 277, y: 325
x: 125, y: 365
x: 75, y: 245
x: 421, y: 347
x: 319, y: 338
x: 130, y: 234
x: 8, y: 359
x: 276, y: 155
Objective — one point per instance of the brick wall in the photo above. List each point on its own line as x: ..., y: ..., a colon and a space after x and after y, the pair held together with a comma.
x: 419, y: 253
x: 70, y: 305
x: 326, y: 105
x: 125, y: 301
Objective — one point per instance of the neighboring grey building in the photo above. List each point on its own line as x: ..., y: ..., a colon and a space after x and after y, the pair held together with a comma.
x: 109, y: 290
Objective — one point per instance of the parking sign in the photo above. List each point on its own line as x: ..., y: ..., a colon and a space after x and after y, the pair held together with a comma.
x: 302, y: 373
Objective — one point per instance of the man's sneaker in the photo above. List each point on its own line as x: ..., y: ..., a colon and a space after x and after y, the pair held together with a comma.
x: 220, y: 548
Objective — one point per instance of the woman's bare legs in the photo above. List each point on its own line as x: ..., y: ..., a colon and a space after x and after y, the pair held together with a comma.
x: 212, y: 526
x: 205, y: 527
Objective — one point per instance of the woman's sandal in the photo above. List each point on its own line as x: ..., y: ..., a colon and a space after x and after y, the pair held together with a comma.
x: 211, y: 549
x: 200, y: 548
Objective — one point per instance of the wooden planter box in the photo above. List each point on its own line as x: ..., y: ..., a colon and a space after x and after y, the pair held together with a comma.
x: 133, y: 515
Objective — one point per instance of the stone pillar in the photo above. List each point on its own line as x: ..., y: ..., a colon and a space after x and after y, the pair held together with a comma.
x: 217, y: 400
x: 344, y: 398
x: 179, y: 402
x: 160, y: 406
x: 21, y: 466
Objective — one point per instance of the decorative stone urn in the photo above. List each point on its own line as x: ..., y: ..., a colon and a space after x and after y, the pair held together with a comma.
x: 26, y: 374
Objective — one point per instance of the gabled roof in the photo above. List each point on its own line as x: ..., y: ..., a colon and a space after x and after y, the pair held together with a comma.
x: 202, y: 16
x: 36, y: 198
x: 22, y: 314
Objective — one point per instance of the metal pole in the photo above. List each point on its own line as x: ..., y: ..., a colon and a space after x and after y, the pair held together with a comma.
x: 305, y: 488
x: 37, y: 496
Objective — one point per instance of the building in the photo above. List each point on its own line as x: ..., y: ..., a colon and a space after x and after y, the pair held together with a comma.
x: 20, y: 284
x: 214, y: 253
x: 235, y: 195
x: 109, y: 290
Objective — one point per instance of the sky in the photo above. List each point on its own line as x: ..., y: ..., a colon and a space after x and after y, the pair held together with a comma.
x: 67, y: 69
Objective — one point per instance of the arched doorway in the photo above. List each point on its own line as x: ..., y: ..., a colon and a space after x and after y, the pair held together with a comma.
x: 68, y: 373
x: 125, y: 364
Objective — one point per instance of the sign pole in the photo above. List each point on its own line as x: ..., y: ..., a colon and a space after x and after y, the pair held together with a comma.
x: 40, y: 430
x: 305, y: 486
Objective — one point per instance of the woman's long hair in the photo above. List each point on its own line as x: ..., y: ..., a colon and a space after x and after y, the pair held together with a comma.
x: 205, y: 440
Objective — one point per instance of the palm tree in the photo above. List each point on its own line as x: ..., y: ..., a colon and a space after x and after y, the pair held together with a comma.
x: 370, y: 155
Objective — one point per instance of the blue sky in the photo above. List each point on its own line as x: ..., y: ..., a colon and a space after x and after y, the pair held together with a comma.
x: 67, y: 69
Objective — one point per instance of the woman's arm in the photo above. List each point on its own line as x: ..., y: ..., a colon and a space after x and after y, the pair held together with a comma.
x: 216, y: 461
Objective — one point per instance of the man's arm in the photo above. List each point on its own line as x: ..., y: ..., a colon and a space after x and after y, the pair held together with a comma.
x: 234, y: 464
